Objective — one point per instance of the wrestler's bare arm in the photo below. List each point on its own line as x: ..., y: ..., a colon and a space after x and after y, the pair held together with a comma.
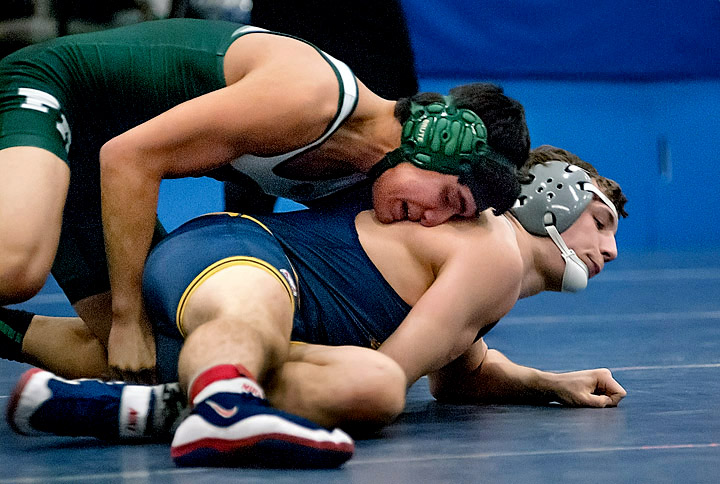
x: 272, y: 108
x: 471, y: 291
x: 484, y: 375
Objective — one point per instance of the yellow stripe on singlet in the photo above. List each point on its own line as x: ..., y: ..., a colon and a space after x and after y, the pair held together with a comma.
x: 235, y: 214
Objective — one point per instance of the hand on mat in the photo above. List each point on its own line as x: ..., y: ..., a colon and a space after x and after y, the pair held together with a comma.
x: 588, y: 388
x: 131, y: 351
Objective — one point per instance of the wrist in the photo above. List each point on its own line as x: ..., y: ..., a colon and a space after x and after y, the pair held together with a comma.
x: 124, y: 313
x: 543, y: 386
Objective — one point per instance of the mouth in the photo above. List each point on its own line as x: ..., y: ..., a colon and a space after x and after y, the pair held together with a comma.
x: 400, y: 212
x: 594, y: 269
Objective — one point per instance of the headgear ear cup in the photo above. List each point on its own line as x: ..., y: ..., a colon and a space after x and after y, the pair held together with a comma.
x: 446, y: 139
x: 492, y: 185
x: 553, y: 194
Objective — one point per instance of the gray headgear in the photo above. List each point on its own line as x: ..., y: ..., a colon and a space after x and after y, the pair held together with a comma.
x: 550, y: 201
x: 554, y: 195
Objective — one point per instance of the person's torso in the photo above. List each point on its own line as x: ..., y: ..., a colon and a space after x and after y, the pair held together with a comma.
x: 344, y: 300
x: 298, y: 174
x: 110, y: 81
x: 359, y: 278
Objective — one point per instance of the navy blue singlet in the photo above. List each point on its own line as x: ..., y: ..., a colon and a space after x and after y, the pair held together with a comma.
x: 342, y: 298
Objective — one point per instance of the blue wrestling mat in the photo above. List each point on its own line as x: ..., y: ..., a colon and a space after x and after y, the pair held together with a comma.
x: 653, y: 319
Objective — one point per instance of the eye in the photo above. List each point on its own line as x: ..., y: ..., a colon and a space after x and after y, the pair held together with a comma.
x: 600, y: 225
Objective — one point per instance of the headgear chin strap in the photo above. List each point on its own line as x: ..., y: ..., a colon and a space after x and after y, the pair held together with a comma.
x: 575, y: 277
x: 554, y: 197
x: 446, y: 139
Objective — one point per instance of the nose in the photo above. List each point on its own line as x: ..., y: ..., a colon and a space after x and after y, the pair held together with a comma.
x: 609, y: 248
x: 436, y: 216
x: 451, y: 202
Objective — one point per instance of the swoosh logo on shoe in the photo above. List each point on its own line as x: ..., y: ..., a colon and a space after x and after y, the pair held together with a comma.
x: 222, y: 411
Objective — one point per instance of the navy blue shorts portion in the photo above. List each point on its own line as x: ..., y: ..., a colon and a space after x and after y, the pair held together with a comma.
x: 191, y: 254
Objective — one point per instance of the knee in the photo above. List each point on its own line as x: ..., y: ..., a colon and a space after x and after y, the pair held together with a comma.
x: 22, y: 275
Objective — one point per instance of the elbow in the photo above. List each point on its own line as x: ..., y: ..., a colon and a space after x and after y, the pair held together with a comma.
x: 109, y: 153
x: 115, y: 157
x: 374, y: 398
x: 124, y: 165
x: 118, y: 154
x: 112, y: 155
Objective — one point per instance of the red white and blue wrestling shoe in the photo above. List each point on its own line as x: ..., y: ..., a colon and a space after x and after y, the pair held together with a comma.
x: 232, y: 427
x: 45, y: 404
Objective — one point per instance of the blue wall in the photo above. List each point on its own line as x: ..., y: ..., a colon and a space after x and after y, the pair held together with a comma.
x: 626, y: 129
x: 575, y: 39
x: 634, y: 89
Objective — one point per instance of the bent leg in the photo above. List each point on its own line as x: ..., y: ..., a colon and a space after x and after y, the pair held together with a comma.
x: 240, y: 315
x: 33, y: 188
x: 64, y: 346
x: 239, y: 322
x: 71, y: 347
x: 357, y: 389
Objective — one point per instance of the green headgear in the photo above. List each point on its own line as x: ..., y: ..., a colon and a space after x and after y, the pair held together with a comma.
x: 446, y: 139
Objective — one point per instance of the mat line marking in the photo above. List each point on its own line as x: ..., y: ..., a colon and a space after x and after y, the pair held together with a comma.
x: 360, y: 462
x: 489, y: 455
x: 103, y: 476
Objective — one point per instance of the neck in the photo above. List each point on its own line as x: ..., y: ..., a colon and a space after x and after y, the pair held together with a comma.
x: 541, y: 261
x: 366, y: 138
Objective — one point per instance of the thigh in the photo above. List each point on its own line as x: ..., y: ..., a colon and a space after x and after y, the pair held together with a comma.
x: 349, y: 386
x: 241, y: 289
x: 34, y: 144
x: 33, y: 188
x: 64, y: 346
x: 187, y: 259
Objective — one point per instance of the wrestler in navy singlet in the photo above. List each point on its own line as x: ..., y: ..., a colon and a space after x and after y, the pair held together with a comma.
x: 342, y: 297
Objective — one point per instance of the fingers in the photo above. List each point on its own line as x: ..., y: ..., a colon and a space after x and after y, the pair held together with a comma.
x: 593, y: 388
x: 599, y: 401
x: 146, y: 376
x: 607, y: 385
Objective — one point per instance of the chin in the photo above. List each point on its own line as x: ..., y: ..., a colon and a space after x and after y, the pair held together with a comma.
x: 383, y: 216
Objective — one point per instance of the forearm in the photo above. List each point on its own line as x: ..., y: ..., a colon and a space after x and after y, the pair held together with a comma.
x: 129, y: 205
x: 496, y: 380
